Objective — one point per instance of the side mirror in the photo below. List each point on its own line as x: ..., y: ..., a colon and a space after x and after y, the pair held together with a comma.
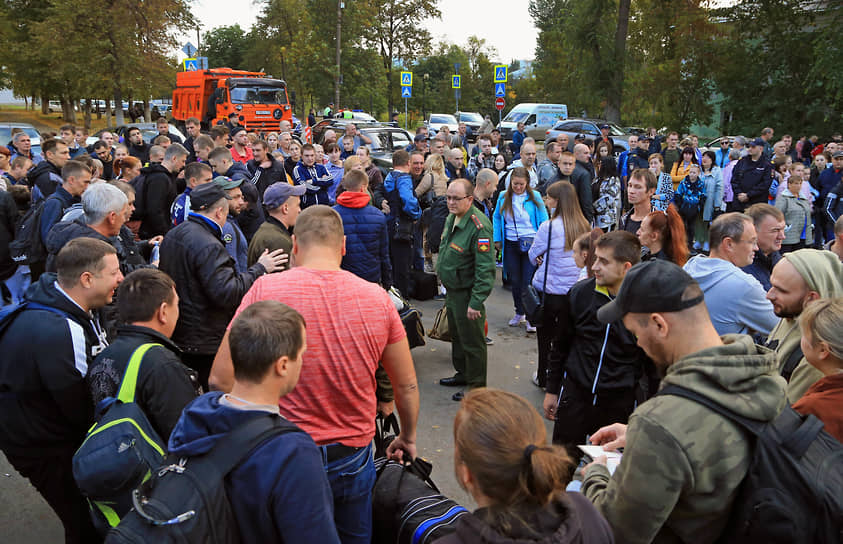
x: 219, y: 96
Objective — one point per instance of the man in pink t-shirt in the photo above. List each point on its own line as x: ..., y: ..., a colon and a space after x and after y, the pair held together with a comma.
x: 352, y: 324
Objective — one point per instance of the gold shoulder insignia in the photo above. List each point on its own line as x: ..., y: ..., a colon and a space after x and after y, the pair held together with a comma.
x: 477, y: 222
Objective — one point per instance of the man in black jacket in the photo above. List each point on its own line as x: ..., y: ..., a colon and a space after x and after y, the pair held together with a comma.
x: 207, y: 283
x: 751, y: 178
x: 46, y: 176
x: 581, y: 179
x: 596, y: 366
x: 158, y: 192
x: 45, y: 408
x: 149, y: 305
x: 136, y: 146
x: 264, y: 168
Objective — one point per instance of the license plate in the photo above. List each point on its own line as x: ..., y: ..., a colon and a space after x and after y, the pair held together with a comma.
x: 263, y: 112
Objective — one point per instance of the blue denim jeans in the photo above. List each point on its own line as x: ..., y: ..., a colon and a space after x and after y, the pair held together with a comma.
x: 519, y: 269
x: 352, y: 479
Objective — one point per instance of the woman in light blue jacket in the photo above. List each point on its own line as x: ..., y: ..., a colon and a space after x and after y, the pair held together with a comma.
x: 517, y: 217
x: 712, y: 177
x: 557, y: 271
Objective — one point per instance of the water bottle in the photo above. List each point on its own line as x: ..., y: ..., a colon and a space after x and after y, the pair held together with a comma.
x: 155, y: 253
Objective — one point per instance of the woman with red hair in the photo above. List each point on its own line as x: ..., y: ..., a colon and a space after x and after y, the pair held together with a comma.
x: 663, y: 236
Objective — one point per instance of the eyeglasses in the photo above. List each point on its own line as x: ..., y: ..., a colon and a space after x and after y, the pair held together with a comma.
x: 456, y: 198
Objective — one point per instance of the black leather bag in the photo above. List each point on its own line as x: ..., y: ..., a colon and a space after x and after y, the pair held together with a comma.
x: 532, y: 300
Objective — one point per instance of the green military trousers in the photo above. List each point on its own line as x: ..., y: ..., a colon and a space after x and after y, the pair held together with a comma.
x: 468, y: 338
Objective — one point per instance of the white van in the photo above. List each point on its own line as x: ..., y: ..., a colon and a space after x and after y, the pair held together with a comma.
x: 537, y: 118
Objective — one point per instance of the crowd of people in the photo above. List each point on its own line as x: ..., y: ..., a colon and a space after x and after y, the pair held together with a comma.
x: 255, y: 273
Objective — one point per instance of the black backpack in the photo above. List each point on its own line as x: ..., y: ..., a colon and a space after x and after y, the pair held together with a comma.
x: 185, y: 500
x: 28, y: 247
x: 793, y: 490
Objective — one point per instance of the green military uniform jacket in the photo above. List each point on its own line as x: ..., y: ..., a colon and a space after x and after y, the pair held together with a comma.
x: 466, y: 259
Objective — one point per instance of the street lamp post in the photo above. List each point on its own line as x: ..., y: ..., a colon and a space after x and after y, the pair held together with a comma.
x: 424, y: 96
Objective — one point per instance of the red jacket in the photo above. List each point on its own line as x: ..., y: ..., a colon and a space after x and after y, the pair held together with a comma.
x: 824, y: 399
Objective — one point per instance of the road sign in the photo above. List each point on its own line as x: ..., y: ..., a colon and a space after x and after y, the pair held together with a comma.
x: 189, y: 49
x: 500, y: 103
x: 406, y: 79
x: 500, y: 89
x: 406, y: 92
x: 191, y: 65
x: 455, y: 81
x: 500, y: 73
x: 203, y: 62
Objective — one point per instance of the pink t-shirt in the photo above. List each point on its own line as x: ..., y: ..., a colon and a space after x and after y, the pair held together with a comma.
x: 349, y: 323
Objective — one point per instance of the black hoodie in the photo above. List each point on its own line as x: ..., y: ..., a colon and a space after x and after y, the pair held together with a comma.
x: 154, y: 200
x: 46, y: 176
x: 45, y: 407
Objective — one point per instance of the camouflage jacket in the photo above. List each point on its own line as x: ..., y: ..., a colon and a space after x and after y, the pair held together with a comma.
x: 683, y: 463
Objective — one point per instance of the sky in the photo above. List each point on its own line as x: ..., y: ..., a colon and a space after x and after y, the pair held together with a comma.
x: 460, y: 19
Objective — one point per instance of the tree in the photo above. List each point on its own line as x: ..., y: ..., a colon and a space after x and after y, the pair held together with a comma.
x: 396, y: 34
x: 226, y: 46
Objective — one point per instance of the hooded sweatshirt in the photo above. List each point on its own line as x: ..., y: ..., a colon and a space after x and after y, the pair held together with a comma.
x: 280, y: 492
x: 736, y: 301
x: 683, y: 463
x: 568, y: 519
x: 367, y: 238
x: 823, y: 273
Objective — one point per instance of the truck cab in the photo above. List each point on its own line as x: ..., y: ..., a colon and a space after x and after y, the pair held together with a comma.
x: 260, y: 102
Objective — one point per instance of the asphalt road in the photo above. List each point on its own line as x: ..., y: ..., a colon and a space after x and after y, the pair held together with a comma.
x: 26, y: 518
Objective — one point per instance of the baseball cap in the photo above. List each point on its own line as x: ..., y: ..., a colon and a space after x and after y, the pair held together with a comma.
x: 419, y: 137
x: 236, y: 130
x: 580, y: 136
x: 837, y: 155
x: 757, y: 141
x: 649, y: 287
x: 227, y: 183
x: 205, y: 195
x: 604, y: 125
x: 278, y: 193
x: 643, y: 137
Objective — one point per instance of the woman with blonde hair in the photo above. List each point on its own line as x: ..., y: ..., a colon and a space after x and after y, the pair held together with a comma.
x: 552, y: 251
x: 501, y: 458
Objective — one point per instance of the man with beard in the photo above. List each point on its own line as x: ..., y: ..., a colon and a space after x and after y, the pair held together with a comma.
x: 137, y: 147
x: 265, y: 168
x: 234, y: 239
x: 799, y: 278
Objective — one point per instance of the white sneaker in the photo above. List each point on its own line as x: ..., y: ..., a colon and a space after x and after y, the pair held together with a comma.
x: 536, y: 378
x: 517, y: 320
x: 530, y: 328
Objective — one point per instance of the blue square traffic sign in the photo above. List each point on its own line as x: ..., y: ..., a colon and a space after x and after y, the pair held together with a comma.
x: 455, y: 81
x: 406, y: 79
x: 191, y: 65
x: 500, y: 73
x: 500, y: 89
x: 406, y: 92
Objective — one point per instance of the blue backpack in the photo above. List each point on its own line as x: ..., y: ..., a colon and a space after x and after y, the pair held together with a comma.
x: 119, y: 452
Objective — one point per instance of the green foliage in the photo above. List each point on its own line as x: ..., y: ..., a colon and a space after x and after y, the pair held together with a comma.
x: 225, y: 46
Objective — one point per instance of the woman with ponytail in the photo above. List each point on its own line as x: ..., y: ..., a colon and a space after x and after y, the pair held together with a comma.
x: 663, y: 236
x: 518, y: 481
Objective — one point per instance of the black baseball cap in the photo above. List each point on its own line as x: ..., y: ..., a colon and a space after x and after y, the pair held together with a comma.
x: 654, y: 286
x: 206, y: 195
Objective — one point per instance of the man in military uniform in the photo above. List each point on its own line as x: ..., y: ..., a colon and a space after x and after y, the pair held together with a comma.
x: 466, y: 268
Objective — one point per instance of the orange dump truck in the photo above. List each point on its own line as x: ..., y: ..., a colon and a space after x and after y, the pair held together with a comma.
x: 261, y: 103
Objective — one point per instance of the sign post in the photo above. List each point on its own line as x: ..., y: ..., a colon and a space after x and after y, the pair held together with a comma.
x: 500, y: 77
x: 455, y: 84
x: 406, y: 91
x: 500, y: 103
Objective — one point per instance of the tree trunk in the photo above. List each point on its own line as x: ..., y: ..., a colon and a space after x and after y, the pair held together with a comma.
x: 389, y: 86
x: 612, y: 111
x: 147, y: 111
x: 118, y: 104
x: 338, y: 75
x: 45, y: 104
x: 87, y: 110
x: 108, y: 121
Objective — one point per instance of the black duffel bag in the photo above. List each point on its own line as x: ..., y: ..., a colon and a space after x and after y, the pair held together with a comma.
x: 407, y: 507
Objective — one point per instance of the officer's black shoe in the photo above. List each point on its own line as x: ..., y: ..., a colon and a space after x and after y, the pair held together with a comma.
x: 458, y: 396
x: 453, y: 381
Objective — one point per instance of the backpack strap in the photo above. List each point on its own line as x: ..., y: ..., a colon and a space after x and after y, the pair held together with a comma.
x: 754, y: 426
x: 235, y: 446
x: 126, y: 393
x: 792, y: 362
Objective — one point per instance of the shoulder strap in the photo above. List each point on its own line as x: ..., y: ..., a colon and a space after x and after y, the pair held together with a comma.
x: 791, y: 363
x: 547, y: 259
x: 239, y: 443
x: 126, y: 393
x: 753, y: 426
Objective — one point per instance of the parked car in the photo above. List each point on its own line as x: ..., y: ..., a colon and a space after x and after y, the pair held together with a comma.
x: 148, y: 131
x: 591, y: 129
x: 438, y: 120
x: 472, y: 120
x: 34, y: 135
x: 537, y: 119
x: 386, y: 139
x: 714, y: 144
x: 356, y: 115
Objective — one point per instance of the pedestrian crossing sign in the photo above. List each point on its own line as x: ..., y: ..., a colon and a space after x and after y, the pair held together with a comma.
x: 455, y: 81
x: 191, y: 65
x: 500, y: 73
x: 406, y: 79
x: 500, y: 89
x: 406, y: 92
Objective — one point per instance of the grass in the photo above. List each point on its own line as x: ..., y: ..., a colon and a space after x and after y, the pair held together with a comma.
x: 51, y: 121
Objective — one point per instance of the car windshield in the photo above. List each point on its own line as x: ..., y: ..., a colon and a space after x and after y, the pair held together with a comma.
x: 471, y: 117
x: 615, y: 130
x: 6, y: 135
x: 258, y: 95
x: 517, y: 116
x: 380, y: 140
x: 445, y: 119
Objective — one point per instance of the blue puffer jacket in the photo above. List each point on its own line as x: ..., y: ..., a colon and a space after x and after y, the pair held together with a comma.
x: 366, y: 238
